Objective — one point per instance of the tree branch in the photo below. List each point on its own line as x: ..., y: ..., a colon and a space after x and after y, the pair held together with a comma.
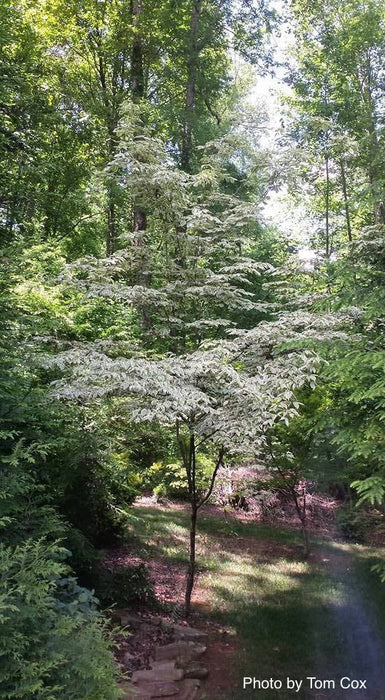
x: 213, y: 477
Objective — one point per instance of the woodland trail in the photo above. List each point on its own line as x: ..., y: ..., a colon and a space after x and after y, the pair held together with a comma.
x: 359, y: 648
x: 269, y: 613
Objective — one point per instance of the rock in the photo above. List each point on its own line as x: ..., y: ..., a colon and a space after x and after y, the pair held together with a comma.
x: 163, y: 664
x: 159, y: 689
x: 146, y: 691
x: 182, y: 652
x: 189, y: 689
x: 189, y: 634
x: 131, y: 693
x: 196, y: 670
x: 160, y: 673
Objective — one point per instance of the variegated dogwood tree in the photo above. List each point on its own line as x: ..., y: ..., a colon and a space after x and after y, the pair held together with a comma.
x: 188, y: 273
x: 226, y: 394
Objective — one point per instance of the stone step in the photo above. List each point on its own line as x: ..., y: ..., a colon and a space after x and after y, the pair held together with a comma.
x: 182, y: 652
x: 196, y: 670
x: 146, y: 691
x: 130, y: 692
x: 159, y: 689
x: 129, y: 620
x: 189, y: 690
x: 163, y: 664
x: 160, y: 673
x: 189, y: 634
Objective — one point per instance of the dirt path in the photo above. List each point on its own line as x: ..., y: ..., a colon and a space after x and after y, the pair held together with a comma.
x: 358, y: 650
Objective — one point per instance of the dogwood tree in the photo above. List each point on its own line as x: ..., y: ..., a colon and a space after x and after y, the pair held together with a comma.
x: 226, y: 392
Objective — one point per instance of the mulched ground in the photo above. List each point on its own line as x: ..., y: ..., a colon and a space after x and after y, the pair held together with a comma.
x: 167, y: 578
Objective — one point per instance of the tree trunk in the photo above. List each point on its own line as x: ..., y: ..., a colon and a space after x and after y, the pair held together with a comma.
x: 373, y: 168
x: 192, y: 65
x: 137, y: 84
x: 188, y: 455
x: 305, y: 537
x: 346, y: 201
x: 191, y: 566
x: 191, y: 476
x: 111, y: 228
x: 327, y: 209
x: 111, y: 204
x: 137, y: 70
x: 137, y: 93
x: 301, y: 512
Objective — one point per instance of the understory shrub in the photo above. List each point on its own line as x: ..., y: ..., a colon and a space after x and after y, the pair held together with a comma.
x: 170, y: 480
x: 54, y: 645
x: 358, y: 523
x: 122, y: 481
x: 95, y: 498
x: 124, y: 585
x: 87, y: 507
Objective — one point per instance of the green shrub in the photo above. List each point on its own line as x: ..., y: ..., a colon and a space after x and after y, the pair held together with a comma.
x: 353, y: 523
x: 170, y: 480
x: 123, y: 482
x: 96, y: 498
x: 53, y: 643
x: 124, y: 585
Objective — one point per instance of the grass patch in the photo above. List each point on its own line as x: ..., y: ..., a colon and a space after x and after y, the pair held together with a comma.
x: 256, y: 583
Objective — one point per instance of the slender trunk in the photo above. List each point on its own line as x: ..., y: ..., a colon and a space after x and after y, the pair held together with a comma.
x: 346, y: 201
x: 111, y: 123
x: 327, y: 208
x: 188, y: 455
x: 374, y: 172
x: 301, y: 512
x: 192, y: 66
x: 137, y: 70
x: 191, y: 566
x: 111, y: 229
x: 191, y: 476
x: 137, y: 92
x: 305, y: 537
x: 137, y: 80
x: 111, y: 204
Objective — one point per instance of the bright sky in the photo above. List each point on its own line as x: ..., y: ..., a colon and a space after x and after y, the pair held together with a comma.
x: 290, y: 219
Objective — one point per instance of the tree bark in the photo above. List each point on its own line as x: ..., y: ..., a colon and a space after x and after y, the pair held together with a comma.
x: 301, y: 512
x: 327, y: 209
x: 111, y: 204
x: 192, y: 66
x: 111, y: 123
x: 190, y: 463
x: 137, y: 92
x: 191, y: 566
x: 137, y: 70
x: 346, y: 201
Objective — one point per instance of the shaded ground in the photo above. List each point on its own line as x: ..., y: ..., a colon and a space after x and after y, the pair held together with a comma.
x: 269, y: 613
